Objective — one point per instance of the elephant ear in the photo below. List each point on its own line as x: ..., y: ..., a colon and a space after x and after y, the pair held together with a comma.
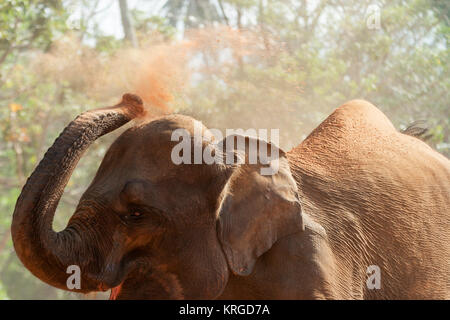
x: 259, y: 204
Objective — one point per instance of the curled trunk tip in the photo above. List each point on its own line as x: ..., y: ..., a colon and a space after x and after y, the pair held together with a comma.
x: 133, y: 104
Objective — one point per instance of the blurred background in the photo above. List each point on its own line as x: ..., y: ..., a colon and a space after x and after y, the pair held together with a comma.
x: 282, y: 64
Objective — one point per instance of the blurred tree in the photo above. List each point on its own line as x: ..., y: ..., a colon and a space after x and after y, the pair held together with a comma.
x: 25, y: 26
x: 149, y: 27
x: 318, y: 55
x: 193, y: 13
x: 127, y: 23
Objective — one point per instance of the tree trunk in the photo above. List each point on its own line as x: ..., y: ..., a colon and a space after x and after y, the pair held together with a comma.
x: 128, y: 29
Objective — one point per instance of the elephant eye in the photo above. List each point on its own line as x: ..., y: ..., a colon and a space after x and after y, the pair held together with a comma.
x: 133, y: 215
x: 140, y: 213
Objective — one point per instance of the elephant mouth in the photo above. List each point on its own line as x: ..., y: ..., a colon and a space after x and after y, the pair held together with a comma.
x: 118, y: 274
x: 115, y: 292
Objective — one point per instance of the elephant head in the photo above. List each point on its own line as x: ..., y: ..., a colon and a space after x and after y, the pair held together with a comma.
x: 147, y: 227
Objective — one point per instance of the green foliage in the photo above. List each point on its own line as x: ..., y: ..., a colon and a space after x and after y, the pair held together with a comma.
x: 146, y: 26
x: 107, y: 44
x: 27, y: 24
x: 330, y: 56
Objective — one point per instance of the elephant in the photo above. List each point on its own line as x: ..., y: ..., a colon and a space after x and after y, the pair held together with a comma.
x: 358, y: 210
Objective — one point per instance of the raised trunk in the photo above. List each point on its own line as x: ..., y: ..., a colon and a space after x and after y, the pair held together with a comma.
x: 47, y: 253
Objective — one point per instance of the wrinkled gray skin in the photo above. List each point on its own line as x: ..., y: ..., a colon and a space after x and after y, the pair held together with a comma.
x: 355, y: 193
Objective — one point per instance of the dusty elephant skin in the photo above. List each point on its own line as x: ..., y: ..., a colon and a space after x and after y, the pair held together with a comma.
x: 355, y: 193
